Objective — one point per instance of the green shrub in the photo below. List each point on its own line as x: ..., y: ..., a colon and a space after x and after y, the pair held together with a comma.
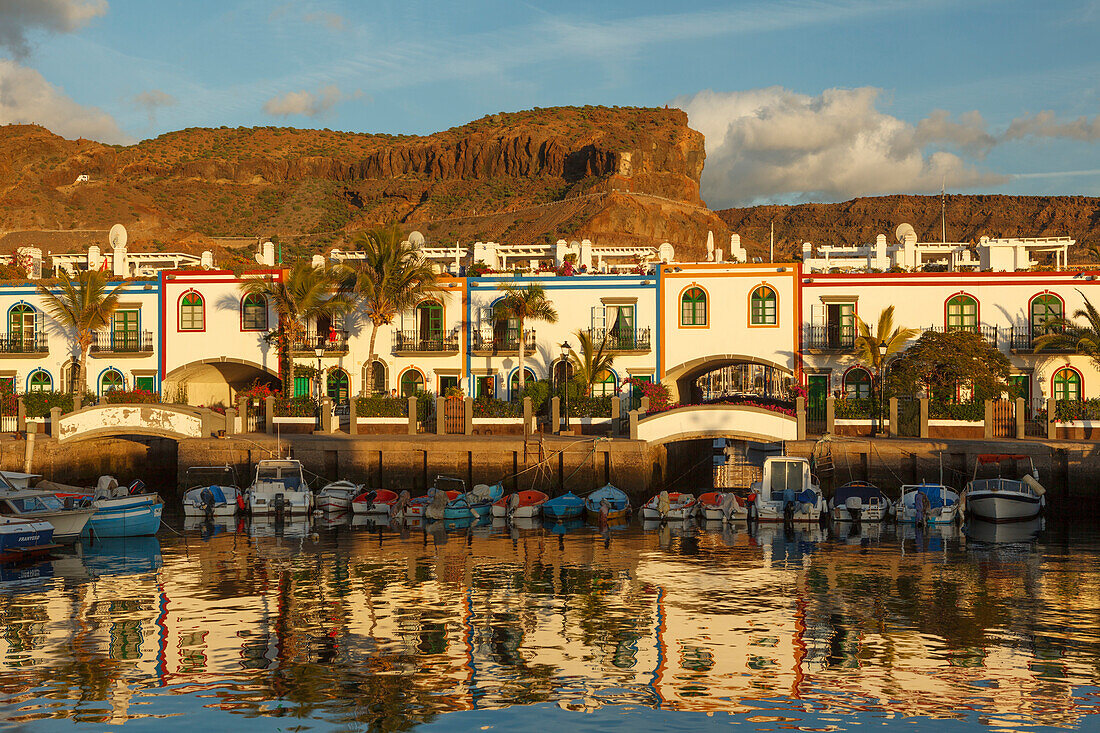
x: 1066, y: 410
x: 130, y: 396
x: 382, y: 406
x: 489, y: 407
x: 302, y: 406
x: 855, y: 408
x: 971, y: 411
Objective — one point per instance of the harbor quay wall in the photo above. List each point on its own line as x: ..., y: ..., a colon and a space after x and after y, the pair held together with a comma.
x: 81, y: 463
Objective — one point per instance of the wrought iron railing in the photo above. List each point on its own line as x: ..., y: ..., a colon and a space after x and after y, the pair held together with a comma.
x: 831, y: 336
x: 24, y: 344
x: 419, y: 341
x: 122, y: 342
x: 492, y: 340
x: 620, y: 339
x: 1022, y: 338
x: 308, y: 341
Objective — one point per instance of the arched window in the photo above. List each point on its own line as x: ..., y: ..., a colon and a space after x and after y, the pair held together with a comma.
x: 254, y: 313
x: 111, y: 381
x: 762, y: 307
x: 192, y: 317
x: 693, y: 307
x: 40, y: 381
x: 606, y: 385
x: 378, y: 381
x: 513, y: 386
x: 1067, y: 385
x: 1045, y: 308
x: 962, y: 313
x: 411, y: 382
x: 857, y: 384
x: 336, y: 385
x: 21, y: 327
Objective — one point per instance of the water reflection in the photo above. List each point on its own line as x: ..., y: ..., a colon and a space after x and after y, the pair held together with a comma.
x: 352, y: 623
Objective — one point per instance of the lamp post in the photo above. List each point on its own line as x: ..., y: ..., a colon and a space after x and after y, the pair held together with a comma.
x: 319, y: 350
x: 565, y: 378
x: 881, y: 382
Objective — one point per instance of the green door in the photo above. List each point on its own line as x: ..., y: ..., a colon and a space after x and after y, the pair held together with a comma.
x: 622, y: 326
x: 124, y: 331
x: 147, y: 384
x: 301, y: 386
x: 818, y: 392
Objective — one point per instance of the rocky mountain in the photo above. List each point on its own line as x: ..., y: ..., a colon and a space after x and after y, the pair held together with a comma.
x: 609, y: 174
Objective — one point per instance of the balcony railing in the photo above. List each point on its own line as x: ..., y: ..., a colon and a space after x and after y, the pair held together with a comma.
x: 620, y: 339
x: 1023, y: 340
x: 831, y: 337
x: 122, y: 342
x: 991, y: 334
x: 491, y: 340
x: 307, y: 342
x: 405, y: 341
x: 24, y: 344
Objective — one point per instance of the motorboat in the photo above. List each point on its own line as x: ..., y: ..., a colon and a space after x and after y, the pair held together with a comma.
x: 67, y: 518
x: 788, y: 492
x: 520, y: 504
x: 672, y: 506
x: 561, y: 508
x: 123, y: 511
x: 213, y: 491
x: 18, y: 479
x: 417, y: 506
x: 24, y: 538
x: 375, y: 501
x: 607, y: 503
x: 927, y: 503
x: 1002, y: 499
x: 723, y: 506
x: 336, y: 497
x: 476, y: 503
x: 859, y: 501
x: 279, y: 488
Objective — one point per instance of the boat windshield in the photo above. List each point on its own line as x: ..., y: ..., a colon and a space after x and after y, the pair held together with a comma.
x: 27, y: 504
x: 288, y: 476
x: 785, y: 475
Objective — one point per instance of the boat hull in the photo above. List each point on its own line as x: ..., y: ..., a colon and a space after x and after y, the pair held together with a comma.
x: 24, y: 538
x: 675, y: 514
x: 127, y: 517
x: 293, y: 502
x: 1002, y: 506
x: 333, y: 504
x: 944, y: 515
x: 866, y: 514
x: 770, y: 511
x: 559, y: 513
x: 611, y: 516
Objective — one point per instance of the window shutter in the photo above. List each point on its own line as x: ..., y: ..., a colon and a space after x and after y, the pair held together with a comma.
x: 599, y: 315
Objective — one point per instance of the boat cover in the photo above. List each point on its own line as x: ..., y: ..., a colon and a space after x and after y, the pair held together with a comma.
x: 218, y: 494
x: 935, y: 501
x: 806, y: 496
x: 861, y: 491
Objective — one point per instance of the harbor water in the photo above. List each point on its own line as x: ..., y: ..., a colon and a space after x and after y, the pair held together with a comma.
x: 348, y: 626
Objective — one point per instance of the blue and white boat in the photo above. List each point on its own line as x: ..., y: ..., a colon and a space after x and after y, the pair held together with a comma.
x: 566, y: 506
x: 20, y: 538
x: 67, y: 519
x: 927, y: 503
x: 211, y: 490
x: 120, y: 511
x: 616, y: 500
x: 476, y: 503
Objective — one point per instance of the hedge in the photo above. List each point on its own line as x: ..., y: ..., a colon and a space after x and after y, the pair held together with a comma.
x: 295, y: 407
x: 855, y: 408
x: 970, y: 411
x: 1066, y: 410
x: 489, y: 407
x: 382, y: 406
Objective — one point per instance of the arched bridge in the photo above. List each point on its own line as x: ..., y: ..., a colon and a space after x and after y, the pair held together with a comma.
x: 717, y: 421
x: 163, y: 421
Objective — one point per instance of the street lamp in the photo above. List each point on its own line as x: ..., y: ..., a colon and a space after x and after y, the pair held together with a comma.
x: 319, y: 350
x: 565, y: 347
x: 881, y: 382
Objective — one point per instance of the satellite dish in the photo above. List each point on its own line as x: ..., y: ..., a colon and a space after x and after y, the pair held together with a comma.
x: 416, y: 239
x: 117, y: 237
x: 904, y: 230
x: 666, y: 253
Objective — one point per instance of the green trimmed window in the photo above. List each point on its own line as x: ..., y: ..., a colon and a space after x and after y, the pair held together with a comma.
x: 111, y: 381
x: 21, y: 326
x: 1044, y: 309
x: 857, y: 384
x: 606, y: 385
x: 411, y: 382
x: 254, y: 313
x: 336, y: 385
x: 192, y: 316
x: 962, y: 313
x: 693, y: 307
x: 762, y: 307
x: 40, y: 381
x: 1067, y: 385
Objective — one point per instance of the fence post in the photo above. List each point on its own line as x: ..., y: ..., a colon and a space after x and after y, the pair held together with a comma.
x: 353, y: 416
x: 644, y: 406
x: 440, y: 415
x: 987, y: 424
x: 55, y: 422
x: 230, y: 420
x: 1052, y: 410
x: 616, y: 413
x: 76, y: 400
x: 468, y: 415
x: 924, y: 417
x: 800, y: 418
x: 633, y: 424
x: 412, y: 416
x: 326, y: 415
x: 21, y: 416
x: 1019, y: 413
x: 555, y: 415
x: 894, y: 431
x: 528, y: 411
x: 269, y: 414
x: 830, y: 415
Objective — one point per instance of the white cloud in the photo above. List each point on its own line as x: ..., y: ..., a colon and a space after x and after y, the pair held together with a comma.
x: 1047, y: 124
x: 152, y: 100
x: 18, y: 17
x: 27, y: 98
x: 307, y: 103
x: 771, y: 143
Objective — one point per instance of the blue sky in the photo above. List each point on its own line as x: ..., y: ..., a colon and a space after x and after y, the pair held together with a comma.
x: 129, y: 69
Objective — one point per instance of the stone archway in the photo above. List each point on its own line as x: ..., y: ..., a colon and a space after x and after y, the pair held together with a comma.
x: 680, y: 379
x: 216, y: 381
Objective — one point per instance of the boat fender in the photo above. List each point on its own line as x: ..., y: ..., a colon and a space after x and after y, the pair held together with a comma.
x: 240, y: 502
x: 1032, y: 483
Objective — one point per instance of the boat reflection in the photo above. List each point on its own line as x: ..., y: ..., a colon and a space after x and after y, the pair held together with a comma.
x: 1001, y: 533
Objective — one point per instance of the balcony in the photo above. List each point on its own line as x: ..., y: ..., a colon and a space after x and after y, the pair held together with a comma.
x: 621, y: 340
x: 113, y: 343
x: 1021, y: 341
x: 991, y: 334
x: 830, y: 337
x: 305, y: 343
x: 24, y: 344
x: 416, y: 342
x: 491, y: 341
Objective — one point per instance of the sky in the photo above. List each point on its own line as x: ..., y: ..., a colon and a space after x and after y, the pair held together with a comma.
x: 799, y: 100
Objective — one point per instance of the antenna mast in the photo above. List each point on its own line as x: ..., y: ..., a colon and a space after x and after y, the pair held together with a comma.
x: 771, y: 245
x: 943, y: 211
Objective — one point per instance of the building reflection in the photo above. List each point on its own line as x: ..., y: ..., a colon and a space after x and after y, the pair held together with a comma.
x: 375, y: 627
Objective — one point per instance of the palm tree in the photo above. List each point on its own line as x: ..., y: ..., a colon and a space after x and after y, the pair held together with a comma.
x: 303, y: 292
x: 875, y: 349
x: 82, y: 305
x: 521, y: 305
x: 592, y: 363
x: 1064, y: 334
x: 392, y: 278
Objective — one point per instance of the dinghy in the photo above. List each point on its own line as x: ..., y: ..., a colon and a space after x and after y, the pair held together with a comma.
x: 120, y: 511
x: 928, y: 504
x: 560, y: 508
x: 673, y: 506
x: 859, y: 501
x: 788, y: 492
x: 24, y: 538
x: 476, y: 503
x: 520, y: 505
x: 606, y: 504
x: 375, y: 502
x: 724, y: 506
x: 212, y: 490
x: 335, y: 497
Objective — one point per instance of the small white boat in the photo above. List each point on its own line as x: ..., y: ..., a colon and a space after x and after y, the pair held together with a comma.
x: 927, y: 504
x: 1002, y: 499
x: 68, y: 520
x: 378, y: 502
x: 859, y: 501
x: 520, y: 504
x: 673, y: 507
x: 722, y: 506
x: 212, y: 490
x: 336, y: 497
x: 788, y: 492
x: 279, y: 488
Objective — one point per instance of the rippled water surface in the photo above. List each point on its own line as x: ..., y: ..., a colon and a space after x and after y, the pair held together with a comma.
x: 335, y: 626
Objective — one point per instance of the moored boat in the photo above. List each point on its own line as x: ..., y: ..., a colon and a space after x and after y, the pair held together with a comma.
x: 673, y: 506
x: 67, y: 518
x: 788, y: 492
x: 335, y: 497
x: 120, y: 511
x: 927, y: 504
x: 607, y: 503
x: 520, y: 504
x: 375, y: 501
x: 859, y: 501
x: 724, y: 506
x: 24, y: 538
x: 279, y: 487
x: 212, y: 490
x: 1003, y: 499
x: 560, y: 508
x: 476, y: 503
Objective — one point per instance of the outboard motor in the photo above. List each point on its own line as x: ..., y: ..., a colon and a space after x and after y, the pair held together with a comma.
x: 279, y: 504
x: 137, y: 487
x: 854, y: 507
x: 206, y: 498
x: 788, y: 512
